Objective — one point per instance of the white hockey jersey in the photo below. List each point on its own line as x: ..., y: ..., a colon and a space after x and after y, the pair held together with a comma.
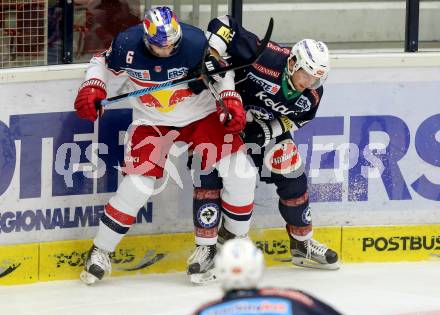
x: 175, y: 106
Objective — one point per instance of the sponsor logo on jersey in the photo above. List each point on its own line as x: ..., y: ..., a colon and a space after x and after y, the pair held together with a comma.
x: 408, y: 243
x: 266, y: 71
x: 303, y: 103
x: 226, y: 33
x: 143, y: 75
x: 157, y: 68
x: 259, y: 112
x: 163, y: 100
x: 283, y: 158
x: 256, y: 305
x: 284, y: 51
x: 175, y: 73
x: 267, y: 86
x: 276, y: 106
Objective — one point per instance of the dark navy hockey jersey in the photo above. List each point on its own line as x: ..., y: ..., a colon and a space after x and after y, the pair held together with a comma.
x: 267, y: 301
x: 263, y: 86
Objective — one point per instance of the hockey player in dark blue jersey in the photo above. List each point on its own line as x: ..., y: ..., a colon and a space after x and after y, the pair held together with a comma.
x: 240, y: 267
x: 281, y: 93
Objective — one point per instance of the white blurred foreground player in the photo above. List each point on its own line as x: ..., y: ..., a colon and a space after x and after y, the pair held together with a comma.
x: 156, y: 51
x: 240, y: 267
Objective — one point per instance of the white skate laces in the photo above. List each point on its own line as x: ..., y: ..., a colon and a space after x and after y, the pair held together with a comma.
x: 312, y: 254
x: 97, y: 264
x: 201, y: 257
x: 315, y: 248
x: 201, y: 264
x: 100, y: 258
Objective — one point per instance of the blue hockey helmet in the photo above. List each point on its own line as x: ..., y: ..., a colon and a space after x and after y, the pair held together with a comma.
x: 161, y: 28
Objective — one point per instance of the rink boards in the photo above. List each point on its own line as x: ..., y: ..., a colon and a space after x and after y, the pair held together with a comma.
x: 64, y: 260
x: 372, y: 157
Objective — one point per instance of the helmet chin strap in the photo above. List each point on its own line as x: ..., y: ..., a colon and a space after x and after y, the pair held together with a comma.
x: 288, y: 75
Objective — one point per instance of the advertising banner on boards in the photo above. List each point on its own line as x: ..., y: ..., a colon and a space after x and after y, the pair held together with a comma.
x: 372, y: 156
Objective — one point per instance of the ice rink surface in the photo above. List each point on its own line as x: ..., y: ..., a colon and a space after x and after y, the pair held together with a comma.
x: 393, y: 288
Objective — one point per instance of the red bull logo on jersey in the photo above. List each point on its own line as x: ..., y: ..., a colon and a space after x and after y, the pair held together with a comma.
x: 164, y: 100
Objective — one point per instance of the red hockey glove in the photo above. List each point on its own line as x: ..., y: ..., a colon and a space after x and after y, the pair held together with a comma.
x: 236, y: 120
x: 89, y: 93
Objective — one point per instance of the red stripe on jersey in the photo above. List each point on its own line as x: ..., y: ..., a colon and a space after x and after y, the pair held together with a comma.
x: 247, y: 209
x: 118, y: 216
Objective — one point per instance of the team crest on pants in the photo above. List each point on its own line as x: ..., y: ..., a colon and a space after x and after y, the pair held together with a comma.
x: 283, y: 158
x: 208, y: 215
x: 307, y: 216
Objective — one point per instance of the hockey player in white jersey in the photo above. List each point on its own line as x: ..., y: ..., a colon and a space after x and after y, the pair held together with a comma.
x: 156, y: 51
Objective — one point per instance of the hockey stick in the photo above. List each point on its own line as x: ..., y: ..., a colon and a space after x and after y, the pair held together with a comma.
x: 192, y: 77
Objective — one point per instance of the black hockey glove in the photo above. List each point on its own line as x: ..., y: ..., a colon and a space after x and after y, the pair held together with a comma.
x: 262, y: 131
x: 258, y: 132
x: 210, y: 63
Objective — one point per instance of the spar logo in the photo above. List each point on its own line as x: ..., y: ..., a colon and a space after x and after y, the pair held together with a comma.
x: 406, y: 243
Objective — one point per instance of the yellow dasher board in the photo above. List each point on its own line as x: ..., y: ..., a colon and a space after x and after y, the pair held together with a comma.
x: 390, y: 243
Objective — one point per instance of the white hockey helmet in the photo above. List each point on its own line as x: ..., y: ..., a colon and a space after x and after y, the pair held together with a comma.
x: 312, y: 56
x: 239, y: 265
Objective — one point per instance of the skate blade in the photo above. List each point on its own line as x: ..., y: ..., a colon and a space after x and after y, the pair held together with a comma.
x: 87, y: 278
x: 203, y: 278
x: 307, y: 263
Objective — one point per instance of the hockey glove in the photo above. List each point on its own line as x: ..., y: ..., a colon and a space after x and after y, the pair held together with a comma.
x: 210, y: 63
x: 90, y: 92
x: 234, y: 119
x: 261, y: 132
x: 258, y: 132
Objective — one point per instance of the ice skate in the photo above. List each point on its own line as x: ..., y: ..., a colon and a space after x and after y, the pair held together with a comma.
x: 96, y: 265
x: 201, y: 264
x: 312, y: 254
x: 224, y: 235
